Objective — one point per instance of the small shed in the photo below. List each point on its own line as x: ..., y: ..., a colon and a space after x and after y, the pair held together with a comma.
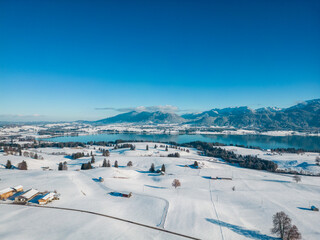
x: 46, y: 198
x: 127, y: 195
x: 5, y: 193
x: 27, y: 196
x: 101, y: 179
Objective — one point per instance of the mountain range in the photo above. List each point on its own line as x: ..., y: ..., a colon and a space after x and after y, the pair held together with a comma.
x: 303, y: 116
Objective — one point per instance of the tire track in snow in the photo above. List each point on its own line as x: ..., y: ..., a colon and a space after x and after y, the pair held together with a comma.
x: 166, y: 208
x: 215, y: 209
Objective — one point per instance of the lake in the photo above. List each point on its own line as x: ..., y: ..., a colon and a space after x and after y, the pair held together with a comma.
x: 310, y: 143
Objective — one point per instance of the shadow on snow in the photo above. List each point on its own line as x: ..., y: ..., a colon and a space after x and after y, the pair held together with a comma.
x: 242, y: 231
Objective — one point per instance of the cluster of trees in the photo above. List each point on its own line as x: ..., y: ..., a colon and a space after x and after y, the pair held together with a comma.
x: 32, y: 155
x: 177, y: 155
x: 105, y: 163
x: 63, y: 166
x: 86, y: 166
x: 283, y: 228
x: 152, y: 168
x: 22, y: 166
x: 78, y: 155
x: 287, y: 150
x: 247, y: 161
x: 105, y: 152
x: 125, y: 145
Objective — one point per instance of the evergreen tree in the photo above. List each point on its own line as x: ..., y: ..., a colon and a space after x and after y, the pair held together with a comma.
x: 195, y: 164
x: 129, y: 164
x: 65, y: 166
x: 152, y: 168
x: 60, y: 166
x: 166, y: 148
x: 163, y: 168
x: 92, y: 159
x: 36, y: 156
x: 89, y: 165
x: 108, y: 163
x: 116, y: 164
x: 107, y: 153
x: 8, y: 165
x: 147, y: 147
x: 104, y: 164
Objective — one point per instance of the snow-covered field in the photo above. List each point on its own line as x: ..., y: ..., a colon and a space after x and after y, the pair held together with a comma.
x: 304, y: 162
x: 202, y: 208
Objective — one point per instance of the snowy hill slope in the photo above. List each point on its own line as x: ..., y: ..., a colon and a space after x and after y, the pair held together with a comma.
x: 201, y: 207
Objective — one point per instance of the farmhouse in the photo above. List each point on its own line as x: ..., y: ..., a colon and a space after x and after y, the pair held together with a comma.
x: 27, y: 196
x: 5, y: 193
x: 46, y: 198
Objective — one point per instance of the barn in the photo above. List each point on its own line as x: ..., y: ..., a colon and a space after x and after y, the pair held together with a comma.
x: 46, y: 198
x: 27, y: 196
x: 5, y: 193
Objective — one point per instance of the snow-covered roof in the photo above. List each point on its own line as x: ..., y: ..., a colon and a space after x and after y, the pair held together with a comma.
x: 48, y: 196
x: 29, y: 193
x: 5, y: 190
x: 17, y: 187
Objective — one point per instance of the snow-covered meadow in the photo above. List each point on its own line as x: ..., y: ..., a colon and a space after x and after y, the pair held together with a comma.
x: 201, y: 207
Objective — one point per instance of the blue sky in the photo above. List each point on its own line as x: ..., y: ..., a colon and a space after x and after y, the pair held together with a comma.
x: 69, y: 60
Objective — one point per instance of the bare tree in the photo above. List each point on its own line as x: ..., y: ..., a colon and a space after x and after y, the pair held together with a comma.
x: 176, y: 183
x: 293, y: 233
x: 281, y: 224
x: 296, y: 178
x: 23, y: 165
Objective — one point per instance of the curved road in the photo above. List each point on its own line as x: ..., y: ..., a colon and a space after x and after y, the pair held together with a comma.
x: 107, y: 216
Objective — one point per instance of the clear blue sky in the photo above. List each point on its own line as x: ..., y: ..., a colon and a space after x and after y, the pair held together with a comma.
x: 60, y: 60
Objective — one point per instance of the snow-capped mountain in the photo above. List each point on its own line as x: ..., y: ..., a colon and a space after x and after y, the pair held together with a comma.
x: 303, y: 116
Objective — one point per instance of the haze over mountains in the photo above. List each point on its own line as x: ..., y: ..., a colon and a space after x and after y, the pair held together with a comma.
x: 303, y: 116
